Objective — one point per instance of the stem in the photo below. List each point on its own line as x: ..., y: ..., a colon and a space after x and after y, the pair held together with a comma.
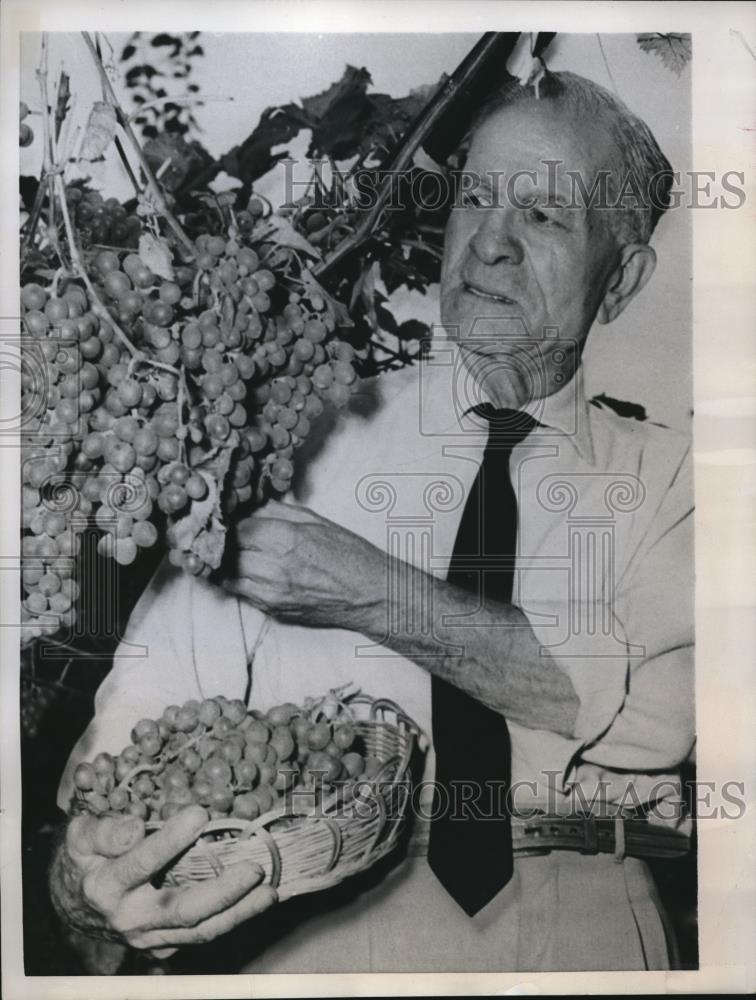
x: 78, y: 264
x: 39, y: 197
x: 424, y: 125
x: 424, y: 247
x: 116, y: 140
x: 127, y: 166
x: 123, y: 120
x: 31, y: 226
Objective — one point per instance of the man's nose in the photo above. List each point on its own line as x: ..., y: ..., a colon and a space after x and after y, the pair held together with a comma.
x: 495, y: 239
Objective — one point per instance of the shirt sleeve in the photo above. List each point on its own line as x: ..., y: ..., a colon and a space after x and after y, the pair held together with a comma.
x: 635, y: 680
x: 186, y: 638
x: 654, y: 727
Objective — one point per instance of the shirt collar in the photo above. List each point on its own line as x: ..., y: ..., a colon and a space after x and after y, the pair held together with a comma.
x: 448, y: 395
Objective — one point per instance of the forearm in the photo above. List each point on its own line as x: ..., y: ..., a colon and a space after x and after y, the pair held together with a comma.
x: 491, y: 654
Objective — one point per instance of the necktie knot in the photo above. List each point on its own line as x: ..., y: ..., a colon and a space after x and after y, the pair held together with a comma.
x: 507, y: 427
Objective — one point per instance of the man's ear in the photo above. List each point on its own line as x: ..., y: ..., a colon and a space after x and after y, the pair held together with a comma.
x: 636, y: 265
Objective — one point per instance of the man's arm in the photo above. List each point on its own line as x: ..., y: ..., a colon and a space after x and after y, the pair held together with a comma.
x: 306, y: 570
x: 494, y: 657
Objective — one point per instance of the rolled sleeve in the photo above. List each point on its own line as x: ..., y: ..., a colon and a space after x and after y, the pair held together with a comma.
x: 635, y: 678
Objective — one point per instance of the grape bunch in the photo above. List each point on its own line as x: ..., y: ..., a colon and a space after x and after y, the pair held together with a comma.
x: 157, y: 404
x: 35, y: 700
x: 102, y: 220
x: 25, y: 133
x: 233, y: 762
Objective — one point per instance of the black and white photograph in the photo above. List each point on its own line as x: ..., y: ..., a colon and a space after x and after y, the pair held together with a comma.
x: 363, y: 587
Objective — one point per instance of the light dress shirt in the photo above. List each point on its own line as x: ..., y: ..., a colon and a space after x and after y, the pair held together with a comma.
x: 604, y: 575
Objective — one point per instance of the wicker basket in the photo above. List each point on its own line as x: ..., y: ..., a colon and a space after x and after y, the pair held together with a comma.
x: 303, y: 846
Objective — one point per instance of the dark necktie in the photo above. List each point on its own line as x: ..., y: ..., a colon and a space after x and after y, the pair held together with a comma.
x: 470, y: 848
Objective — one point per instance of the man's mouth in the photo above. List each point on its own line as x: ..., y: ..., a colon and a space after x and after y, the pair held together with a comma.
x: 483, y: 293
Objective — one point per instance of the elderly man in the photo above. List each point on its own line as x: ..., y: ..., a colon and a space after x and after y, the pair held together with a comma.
x: 509, y: 562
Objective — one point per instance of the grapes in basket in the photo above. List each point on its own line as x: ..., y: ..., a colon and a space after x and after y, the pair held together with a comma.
x: 277, y: 785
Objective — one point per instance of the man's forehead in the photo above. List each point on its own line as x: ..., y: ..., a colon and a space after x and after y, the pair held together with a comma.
x: 532, y: 134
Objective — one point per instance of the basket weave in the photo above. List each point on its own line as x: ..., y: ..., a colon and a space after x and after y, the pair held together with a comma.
x: 303, y: 847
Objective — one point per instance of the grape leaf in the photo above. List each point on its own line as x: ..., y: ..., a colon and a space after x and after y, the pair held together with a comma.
x: 413, y: 329
x: 100, y: 130
x: 185, y: 158
x: 354, y: 81
x: 255, y: 156
x: 155, y: 253
x: 202, y: 530
x: 674, y: 50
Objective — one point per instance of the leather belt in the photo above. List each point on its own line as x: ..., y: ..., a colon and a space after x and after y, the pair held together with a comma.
x: 615, y: 835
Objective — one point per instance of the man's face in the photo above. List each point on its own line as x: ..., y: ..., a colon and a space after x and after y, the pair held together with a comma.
x: 521, y: 273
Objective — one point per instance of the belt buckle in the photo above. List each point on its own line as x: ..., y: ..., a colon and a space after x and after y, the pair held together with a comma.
x: 590, y: 836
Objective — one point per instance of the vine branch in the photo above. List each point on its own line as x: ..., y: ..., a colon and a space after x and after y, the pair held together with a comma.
x: 156, y: 191
x: 446, y: 93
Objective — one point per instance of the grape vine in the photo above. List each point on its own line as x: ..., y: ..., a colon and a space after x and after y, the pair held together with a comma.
x: 179, y: 347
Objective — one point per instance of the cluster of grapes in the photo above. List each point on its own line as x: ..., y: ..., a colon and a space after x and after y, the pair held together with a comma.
x: 103, y: 220
x: 35, y: 701
x: 133, y: 386
x: 233, y: 762
x: 25, y: 132
x: 327, y: 228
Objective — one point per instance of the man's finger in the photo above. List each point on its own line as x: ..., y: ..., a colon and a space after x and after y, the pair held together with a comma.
x: 249, y: 533
x: 290, y: 512
x: 159, y: 849
x: 251, y: 905
x: 194, y: 904
x: 109, y: 836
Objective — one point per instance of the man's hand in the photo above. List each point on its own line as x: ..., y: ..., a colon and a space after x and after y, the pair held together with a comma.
x: 100, y: 885
x: 303, y: 569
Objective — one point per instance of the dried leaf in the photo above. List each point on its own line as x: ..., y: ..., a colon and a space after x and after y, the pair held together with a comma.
x: 155, y: 253
x: 675, y: 51
x: 100, y: 131
x: 281, y: 231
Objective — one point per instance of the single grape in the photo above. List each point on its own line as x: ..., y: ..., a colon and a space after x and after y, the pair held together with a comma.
x: 116, y: 284
x: 265, y: 798
x: 318, y: 735
x: 119, y: 799
x: 150, y: 745
x: 130, y: 392
x: 139, y: 809
x: 282, y: 741
x: 257, y: 732
x: 193, y: 564
x: 144, y: 534
x: 33, y: 296
x: 246, y: 806
x: 85, y: 777
x: 353, y: 763
x: 170, y: 293
x: 344, y: 736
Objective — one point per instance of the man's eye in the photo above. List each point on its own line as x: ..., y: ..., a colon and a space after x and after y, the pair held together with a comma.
x: 542, y: 218
x: 469, y: 199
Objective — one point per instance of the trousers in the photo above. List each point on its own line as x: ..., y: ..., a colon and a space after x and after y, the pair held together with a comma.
x: 561, y: 912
